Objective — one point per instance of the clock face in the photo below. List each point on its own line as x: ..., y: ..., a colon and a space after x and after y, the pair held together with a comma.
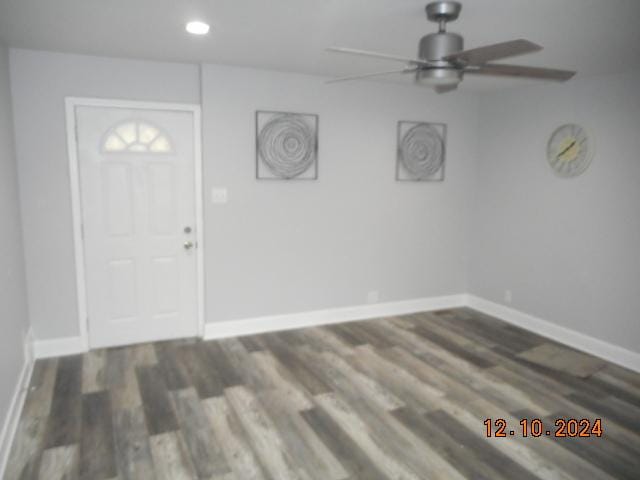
x: 569, y: 150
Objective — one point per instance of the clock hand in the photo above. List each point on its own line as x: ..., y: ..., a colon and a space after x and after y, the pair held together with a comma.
x: 566, y: 150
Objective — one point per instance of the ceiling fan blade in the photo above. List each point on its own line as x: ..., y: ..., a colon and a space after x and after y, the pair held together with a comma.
x: 480, y: 55
x: 445, y: 88
x: 374, y: 74
x: 385, y: 56
x: 522, y: 71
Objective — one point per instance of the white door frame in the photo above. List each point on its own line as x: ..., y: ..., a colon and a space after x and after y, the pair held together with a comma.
x: 76, y: 200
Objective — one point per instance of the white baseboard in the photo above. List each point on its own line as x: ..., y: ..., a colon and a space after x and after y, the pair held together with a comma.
x: 273, y: 323
x: 59, y: 347
x: 577, y: 340
x: 12, y: 416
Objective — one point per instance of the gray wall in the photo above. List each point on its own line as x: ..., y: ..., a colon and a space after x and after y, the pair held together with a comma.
x: 281, y: 247
x: 13, y: 294
x: 41, y: 81
x: 327, y: 242
x: 567, y: 249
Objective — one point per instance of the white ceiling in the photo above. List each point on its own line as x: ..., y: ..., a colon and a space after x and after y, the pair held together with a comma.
x: 590, y: 36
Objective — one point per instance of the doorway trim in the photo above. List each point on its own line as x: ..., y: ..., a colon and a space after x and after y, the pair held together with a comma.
x: 76, y: 200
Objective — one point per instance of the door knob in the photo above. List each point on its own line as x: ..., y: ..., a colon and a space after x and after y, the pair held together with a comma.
x: 188, y: 245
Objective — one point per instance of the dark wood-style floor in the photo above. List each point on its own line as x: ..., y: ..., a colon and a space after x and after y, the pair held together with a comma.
x: 395, y: 398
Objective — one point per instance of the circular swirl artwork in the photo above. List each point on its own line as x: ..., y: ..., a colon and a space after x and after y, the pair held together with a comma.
x: 287, y: 144
x: 421, y: 150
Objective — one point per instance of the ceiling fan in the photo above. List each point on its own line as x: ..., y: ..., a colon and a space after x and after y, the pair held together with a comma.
x: 442, y: 62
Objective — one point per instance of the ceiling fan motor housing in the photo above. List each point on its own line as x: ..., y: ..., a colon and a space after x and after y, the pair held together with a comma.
x: 437, y: 45
x: 432, y: 48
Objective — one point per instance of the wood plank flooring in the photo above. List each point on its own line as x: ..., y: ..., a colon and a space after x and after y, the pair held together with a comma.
x: 398, y: 398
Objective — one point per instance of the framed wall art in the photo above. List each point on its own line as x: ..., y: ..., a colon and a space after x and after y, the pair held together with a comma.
x: 421, y: 151
x: 286, y: 146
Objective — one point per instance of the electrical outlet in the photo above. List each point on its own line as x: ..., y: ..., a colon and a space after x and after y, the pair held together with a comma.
x: 219, y: 195
x: 507, y: 296
x: 373, y: 296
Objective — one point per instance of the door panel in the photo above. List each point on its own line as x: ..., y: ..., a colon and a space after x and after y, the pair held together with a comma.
x: 162, y: 199
x: 123, y: 297
x: 138, y: 195
x: 165, y: 273
x: 117, y: 199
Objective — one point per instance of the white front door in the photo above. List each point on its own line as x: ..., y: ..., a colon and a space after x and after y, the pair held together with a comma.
x: 138, y: 215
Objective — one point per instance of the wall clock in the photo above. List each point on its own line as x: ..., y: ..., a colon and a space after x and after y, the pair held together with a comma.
x: 570, y: 150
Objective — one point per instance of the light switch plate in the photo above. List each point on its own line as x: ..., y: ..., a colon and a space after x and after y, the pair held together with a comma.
x: 218, y: 195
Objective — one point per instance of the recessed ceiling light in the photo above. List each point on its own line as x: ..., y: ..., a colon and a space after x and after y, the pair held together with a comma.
x: 197, y: 28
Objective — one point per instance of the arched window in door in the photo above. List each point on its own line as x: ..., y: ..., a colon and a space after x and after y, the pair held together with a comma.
x: 136, y: 136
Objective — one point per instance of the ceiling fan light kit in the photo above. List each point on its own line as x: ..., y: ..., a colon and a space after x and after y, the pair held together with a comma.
x: 442, y: 61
